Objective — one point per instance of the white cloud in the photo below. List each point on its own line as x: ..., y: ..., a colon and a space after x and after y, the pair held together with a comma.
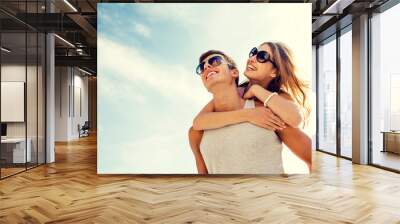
x: 157, y: 154
x: 142, y: 30
x: 184, y: 14
x: 114, y: 89
x: 130, y: 66
x: 235, y: 28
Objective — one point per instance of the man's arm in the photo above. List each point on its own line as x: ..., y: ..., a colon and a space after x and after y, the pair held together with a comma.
x: 298, y: 142
x: 194, y: 140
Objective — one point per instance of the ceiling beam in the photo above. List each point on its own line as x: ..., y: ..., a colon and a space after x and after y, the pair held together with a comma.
x: 84, y: 24
x: 82, y: 61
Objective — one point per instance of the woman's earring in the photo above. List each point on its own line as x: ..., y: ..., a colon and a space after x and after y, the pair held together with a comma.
x: 273, y: 75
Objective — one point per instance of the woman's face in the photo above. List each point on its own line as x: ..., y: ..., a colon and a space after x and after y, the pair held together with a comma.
x: 260, y: 72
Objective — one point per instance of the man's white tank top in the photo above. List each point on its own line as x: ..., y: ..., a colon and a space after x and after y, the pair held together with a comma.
x: 242, y: 148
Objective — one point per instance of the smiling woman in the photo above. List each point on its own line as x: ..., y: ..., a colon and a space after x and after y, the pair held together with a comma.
x: 228, y: 139
x: 148, y: 51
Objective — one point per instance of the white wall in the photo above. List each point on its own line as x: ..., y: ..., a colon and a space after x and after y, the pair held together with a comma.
x: 12, y: 73
x: 12, y: 100
x: 62, y: 80
x: 79, y: 117
x: 34, y: 125
x: 70, y: 83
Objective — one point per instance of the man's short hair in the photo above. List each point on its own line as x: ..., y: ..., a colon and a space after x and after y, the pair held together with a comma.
x: 231, y: 62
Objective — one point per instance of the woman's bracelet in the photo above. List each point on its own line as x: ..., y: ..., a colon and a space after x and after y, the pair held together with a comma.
x: 268, y: 98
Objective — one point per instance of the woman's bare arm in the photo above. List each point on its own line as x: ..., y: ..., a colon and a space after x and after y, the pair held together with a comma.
x: 285, y: 108
x: 209, y: 119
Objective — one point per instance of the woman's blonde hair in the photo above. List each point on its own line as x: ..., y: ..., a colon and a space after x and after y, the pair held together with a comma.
x: 287, y: 80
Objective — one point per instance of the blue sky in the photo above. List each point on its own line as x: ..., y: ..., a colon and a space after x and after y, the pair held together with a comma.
x: 148, y: 92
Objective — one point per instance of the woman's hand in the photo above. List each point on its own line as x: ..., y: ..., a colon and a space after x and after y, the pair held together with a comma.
x: 282, y: 105
x: 265, y: 118
x: 251, y: 92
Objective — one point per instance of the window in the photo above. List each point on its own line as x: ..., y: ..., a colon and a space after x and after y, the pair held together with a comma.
x: 385, y: 89
x: 346, y: 93
x: 22, y: 74
x: 327, y: 96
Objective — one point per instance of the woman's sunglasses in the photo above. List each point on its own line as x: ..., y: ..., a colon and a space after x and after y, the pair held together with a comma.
x: 213, y: 61
x: 261, y: 56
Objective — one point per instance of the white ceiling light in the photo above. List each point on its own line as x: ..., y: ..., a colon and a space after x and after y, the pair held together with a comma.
x: 65, y: 41
x: 337, y: 7
x: 5, y: 49
x: 70, y: 5
x: 86, y: 72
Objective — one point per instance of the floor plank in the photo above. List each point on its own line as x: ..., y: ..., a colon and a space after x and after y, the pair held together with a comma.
x: 70, y: 191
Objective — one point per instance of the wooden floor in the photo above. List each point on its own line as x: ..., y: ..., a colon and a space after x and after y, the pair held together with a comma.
x: 5, y: 172
x: 8, y: 171
x: 70, y: 191
x: 388, y: 159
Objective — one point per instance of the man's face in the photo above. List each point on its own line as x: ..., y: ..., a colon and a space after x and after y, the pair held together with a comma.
x: 217, y: 72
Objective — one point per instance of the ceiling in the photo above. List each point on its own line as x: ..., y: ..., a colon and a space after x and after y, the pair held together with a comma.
x: 76, y: 22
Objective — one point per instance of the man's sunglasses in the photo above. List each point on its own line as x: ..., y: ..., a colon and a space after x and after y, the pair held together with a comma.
x: 261, y: 56
x: 213, y: 61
